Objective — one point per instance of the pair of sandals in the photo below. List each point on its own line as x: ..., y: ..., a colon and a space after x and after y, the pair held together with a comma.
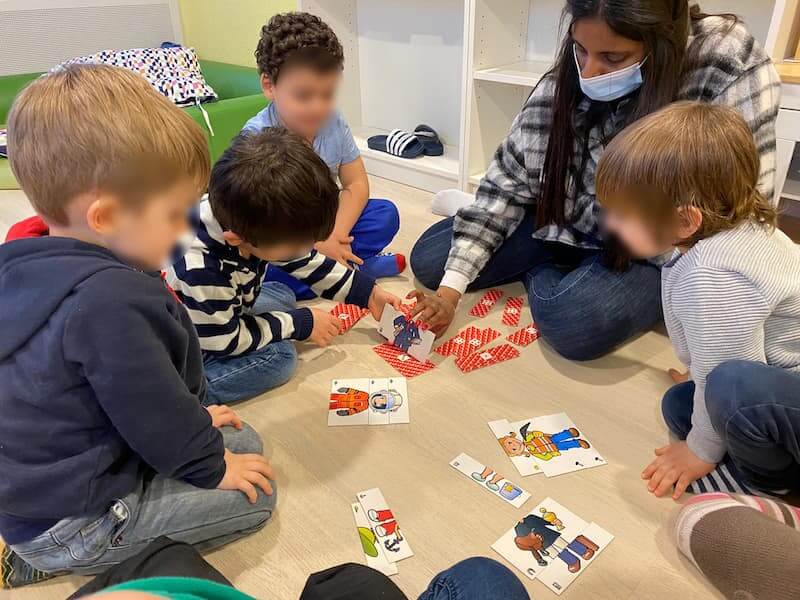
x: 422, y: 141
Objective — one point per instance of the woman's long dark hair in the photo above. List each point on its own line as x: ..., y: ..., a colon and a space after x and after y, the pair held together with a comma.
x: 663, y: 26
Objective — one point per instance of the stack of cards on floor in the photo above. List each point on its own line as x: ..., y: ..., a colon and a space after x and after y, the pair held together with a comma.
x: 467, y: 341
x: 376, y: 401
x: 486, y: 358
x: 552, y: 544
x: 381, y: 538
x: 523, y: 337
x: 348, y: 314
x: 489, y: 479
x: 485, y: 304
x: 551, y: 444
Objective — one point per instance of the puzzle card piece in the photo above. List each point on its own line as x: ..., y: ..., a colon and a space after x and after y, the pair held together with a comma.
x: 348, y: 403
x: 348, y: 314
x: 373, y: 551
x: 525, y: 336
x: 468, y: 341
x: 388, y: 401
x: 581, y: 551
x: 410, y: 336
x: 512, y: 311
x: 489, y: 479
x: 485, y: 304
x: 403, y: 363
x: 383, y: 522
x: 486, y: 358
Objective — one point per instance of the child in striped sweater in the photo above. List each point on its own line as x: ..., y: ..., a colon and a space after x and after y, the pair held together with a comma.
x: 685, y: 179
x: 271, y: 197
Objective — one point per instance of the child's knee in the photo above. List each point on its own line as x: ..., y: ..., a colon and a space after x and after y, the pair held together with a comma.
x: 388, y: 215
x: 728, y: 389
x: 242, y: 441
x: 285, y: 363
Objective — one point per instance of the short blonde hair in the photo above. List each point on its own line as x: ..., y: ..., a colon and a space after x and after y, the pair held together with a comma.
x: 686, y: 154
x: 99, y: 128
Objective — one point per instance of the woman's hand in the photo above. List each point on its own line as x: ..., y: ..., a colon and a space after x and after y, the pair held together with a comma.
x: 438, y: 310
x: 676, y: 465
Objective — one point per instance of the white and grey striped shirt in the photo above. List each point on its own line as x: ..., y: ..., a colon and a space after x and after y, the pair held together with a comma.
x: 733, y: 296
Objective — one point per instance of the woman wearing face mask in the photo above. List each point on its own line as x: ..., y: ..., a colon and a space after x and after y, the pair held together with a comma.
x: 535, y: 217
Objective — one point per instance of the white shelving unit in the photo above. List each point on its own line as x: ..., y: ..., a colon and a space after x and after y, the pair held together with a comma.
x: 466, y: 67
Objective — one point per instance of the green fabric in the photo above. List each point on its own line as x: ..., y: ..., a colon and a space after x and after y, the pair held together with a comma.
x: 240, y: 97
x: 181, y: 588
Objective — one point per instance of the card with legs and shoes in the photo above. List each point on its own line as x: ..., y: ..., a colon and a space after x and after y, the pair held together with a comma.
x: 375, y: 401
x: 490, y: 479
x: 552, y: 544
x: 373, y: 550
x: 551, y: 444
x: 382, y: 521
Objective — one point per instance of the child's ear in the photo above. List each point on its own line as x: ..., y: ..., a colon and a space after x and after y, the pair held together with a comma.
x: 232, y: 238
x: 690, y: 219
x: 101, y: 214
x: 267, y: 87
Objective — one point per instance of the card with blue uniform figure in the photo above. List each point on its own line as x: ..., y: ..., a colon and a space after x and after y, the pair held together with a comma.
x: 552, y: 544
x: 406, y: 334
x: 557, y: 444
x: 489, y: 479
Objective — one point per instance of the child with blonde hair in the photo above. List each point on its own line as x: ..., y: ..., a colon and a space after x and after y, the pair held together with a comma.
x: 685, y: 179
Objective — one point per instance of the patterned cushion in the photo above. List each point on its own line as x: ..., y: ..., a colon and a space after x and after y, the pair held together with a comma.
x: 172, y: 71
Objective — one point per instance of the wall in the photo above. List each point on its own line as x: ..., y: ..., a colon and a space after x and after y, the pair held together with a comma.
x: 228, y: 31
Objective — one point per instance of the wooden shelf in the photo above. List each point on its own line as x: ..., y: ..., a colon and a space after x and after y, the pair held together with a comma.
x: 431, y: 173
x: 526, y: 73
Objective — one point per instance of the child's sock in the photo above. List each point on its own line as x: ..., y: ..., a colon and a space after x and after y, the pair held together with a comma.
x: 447, y: 202
x: 748, y: 547
x: 385, y: 264
x: 15, y: 572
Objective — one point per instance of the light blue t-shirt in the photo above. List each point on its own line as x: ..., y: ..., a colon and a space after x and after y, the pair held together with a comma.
x: 334, y: 142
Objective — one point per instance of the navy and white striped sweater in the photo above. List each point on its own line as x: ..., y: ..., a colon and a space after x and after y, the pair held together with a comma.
x: 218, y: 287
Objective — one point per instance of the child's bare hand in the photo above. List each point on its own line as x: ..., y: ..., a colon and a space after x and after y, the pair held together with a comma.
x: 246, y: 473
x: 676, y: 465
x: 222, y: 415
x: 326, y: 327
x: 338, y: 247
x: 437, y: 310
x: 379, y: 299
x: 678, y: 376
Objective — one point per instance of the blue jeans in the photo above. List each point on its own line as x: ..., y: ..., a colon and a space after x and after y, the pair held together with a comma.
x: 159, y: 506
x: 583, y: 310
x: 232, y: 379
x: 373, y: 232
x: 476, y: 578
x: 756, y: 410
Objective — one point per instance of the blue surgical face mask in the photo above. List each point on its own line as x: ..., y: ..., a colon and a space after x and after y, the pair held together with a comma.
x: 608, y: 87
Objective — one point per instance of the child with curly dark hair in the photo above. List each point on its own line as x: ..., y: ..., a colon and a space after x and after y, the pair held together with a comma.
x: 301, y: 60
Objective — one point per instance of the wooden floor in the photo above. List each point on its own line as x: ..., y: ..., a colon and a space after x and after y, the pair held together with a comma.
x: 614, y: 401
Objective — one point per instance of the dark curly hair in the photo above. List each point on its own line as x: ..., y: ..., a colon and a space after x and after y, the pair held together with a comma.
x: 297, y: 38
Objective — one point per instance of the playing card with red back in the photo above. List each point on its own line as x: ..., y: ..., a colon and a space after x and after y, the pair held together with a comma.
x: 512, y: 311
x: 468, y: 341
x: 486, y: 358
x: 485, y: 304
x: 348, y: 314
x: 407, y: 306
x: 406, y: 365
x: 526, y: 335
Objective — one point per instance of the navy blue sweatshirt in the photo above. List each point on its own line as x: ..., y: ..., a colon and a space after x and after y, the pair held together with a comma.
x: 101, y: 381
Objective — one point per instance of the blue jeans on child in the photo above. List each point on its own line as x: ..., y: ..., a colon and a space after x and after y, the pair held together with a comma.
x: 232, y: 379
x: 756, y: 410
x: 476, y: 578
x: 159, y: 506
x: 372, y: 233
x: 582, y: 308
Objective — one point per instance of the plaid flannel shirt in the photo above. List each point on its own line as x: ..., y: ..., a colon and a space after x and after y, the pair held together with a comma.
x: 732, y: 69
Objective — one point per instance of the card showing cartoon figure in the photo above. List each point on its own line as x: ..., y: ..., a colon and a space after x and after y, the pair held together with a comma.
x: 373, y: 551
x: 580, y: 552
x: 558, y: 445
x: 388, y: 401
x: 490, y: 479
x: 349, y: 402
x: 515, y: 448
x: 541, y: 538
x: 381, y: 520
x: 405, y: 333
